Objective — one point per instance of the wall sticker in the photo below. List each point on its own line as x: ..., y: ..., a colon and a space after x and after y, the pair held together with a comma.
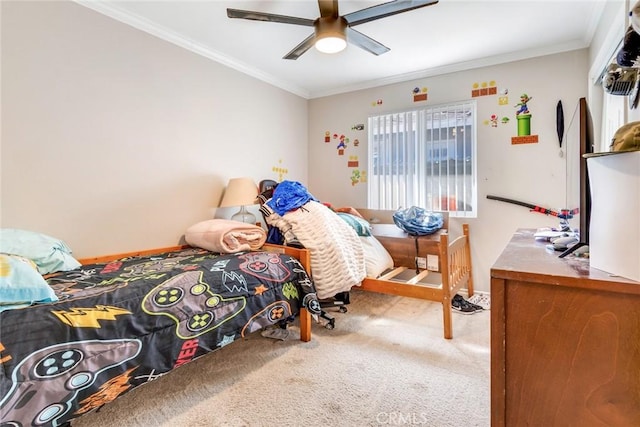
x: 358, y: 177
x: 484, y: 89
x: 503, y: 99
x: 419, y: 94
x: 493, y: 121
x: 280, y: 170
x: 523, y: 116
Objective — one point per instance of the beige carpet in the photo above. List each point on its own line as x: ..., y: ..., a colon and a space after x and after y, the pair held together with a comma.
x: 385, y: 363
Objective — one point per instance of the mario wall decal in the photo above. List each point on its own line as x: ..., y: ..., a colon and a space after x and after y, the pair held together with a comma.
x: 353, y: 162
x: 419, y: 94
x: 342, y: 145
x: 358, y: 176
x: 484, y: 89
x: 280, y: 170
x: 503, y: 99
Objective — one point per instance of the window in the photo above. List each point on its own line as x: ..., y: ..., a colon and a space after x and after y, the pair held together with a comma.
x: 613, y: 116
x: 424, y: 158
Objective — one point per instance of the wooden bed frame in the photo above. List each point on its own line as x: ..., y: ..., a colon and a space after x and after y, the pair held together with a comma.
x: 455, y: 270
x: 301, y: 255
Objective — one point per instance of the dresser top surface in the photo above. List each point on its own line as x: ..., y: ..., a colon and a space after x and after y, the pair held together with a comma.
x: 526, y: 258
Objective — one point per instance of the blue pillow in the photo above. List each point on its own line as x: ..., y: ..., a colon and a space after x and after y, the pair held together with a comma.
x: 361, y: 225
x: 21, y: 284
x: 49, y: 254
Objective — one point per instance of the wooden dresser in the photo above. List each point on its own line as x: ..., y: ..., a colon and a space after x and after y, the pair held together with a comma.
x: 565, y: 341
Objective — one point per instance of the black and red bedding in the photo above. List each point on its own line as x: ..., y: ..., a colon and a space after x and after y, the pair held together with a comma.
x: 120, y: 324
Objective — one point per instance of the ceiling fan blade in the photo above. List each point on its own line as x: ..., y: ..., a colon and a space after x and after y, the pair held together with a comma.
x: 269, y: 17
x: 365, y: 42
x: 386, y: 9
x: 328, y: 8
x: 301, y: 48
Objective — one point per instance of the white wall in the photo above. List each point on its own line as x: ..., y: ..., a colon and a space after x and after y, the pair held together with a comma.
x: 604, y: 45
x: 533, y: 173
x: 114, y: 140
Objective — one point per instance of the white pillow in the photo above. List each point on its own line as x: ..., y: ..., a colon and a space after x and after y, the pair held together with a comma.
x: 376, y: 257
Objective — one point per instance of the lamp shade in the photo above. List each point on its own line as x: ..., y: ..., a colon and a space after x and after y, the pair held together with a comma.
x: 240, y: 192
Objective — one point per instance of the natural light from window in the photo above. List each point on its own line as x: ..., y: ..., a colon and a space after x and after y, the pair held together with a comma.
x: 424, y: 158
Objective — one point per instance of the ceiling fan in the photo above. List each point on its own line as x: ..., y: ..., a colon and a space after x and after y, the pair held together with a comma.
x: 332, y: 31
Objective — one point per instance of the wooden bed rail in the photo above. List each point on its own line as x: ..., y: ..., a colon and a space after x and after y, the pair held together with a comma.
x: 113, y: 257
x: 302, y: 255
x: 455, y: 273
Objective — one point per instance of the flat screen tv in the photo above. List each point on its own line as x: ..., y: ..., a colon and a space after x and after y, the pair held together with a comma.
x: 585, y: 140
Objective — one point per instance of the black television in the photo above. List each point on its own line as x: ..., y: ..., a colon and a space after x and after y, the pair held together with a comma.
x: 585, y: 141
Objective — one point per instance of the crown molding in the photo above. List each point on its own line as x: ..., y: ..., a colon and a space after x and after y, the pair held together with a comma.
x: 142, y: 24
x: 460, y: 66
x: 111, y: 10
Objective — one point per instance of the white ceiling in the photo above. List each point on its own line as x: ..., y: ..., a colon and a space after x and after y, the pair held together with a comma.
x: 451, y: 35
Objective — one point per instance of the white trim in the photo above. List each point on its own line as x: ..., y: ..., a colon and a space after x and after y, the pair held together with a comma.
x: 461, y: 66
x: 611, y: 44
x: 112, y: 11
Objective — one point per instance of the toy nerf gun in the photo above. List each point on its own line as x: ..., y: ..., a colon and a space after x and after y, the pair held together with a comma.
x: 563, y: 214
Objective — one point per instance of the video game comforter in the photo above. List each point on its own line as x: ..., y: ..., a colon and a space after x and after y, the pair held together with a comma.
x: 123, y: 323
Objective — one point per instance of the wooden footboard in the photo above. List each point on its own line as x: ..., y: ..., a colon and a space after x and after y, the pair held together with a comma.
x: 304, y: 256
x: 455, y: 274
x: 301, y: 255
x: 459, y: 265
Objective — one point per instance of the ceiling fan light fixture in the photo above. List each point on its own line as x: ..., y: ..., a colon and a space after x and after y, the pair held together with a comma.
x: 331, y: 34
x: 331, y: 44
x: 330, y: 29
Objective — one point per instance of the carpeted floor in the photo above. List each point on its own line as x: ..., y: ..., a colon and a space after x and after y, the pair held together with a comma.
x: 385, y: 363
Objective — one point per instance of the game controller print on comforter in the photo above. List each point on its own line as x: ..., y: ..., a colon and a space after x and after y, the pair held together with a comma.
x: 123, y: 323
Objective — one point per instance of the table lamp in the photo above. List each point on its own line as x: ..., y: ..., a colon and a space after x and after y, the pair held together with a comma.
x: 241, y: 192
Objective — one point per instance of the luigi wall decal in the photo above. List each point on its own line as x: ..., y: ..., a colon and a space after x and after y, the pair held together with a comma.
x: 523, y: 116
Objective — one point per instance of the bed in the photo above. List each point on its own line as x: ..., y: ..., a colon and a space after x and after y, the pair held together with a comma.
x: 121, y: 321
x: 346, y: 250
x: 452, y: 273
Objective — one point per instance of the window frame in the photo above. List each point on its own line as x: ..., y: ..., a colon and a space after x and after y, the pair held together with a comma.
x: 412, y: 133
